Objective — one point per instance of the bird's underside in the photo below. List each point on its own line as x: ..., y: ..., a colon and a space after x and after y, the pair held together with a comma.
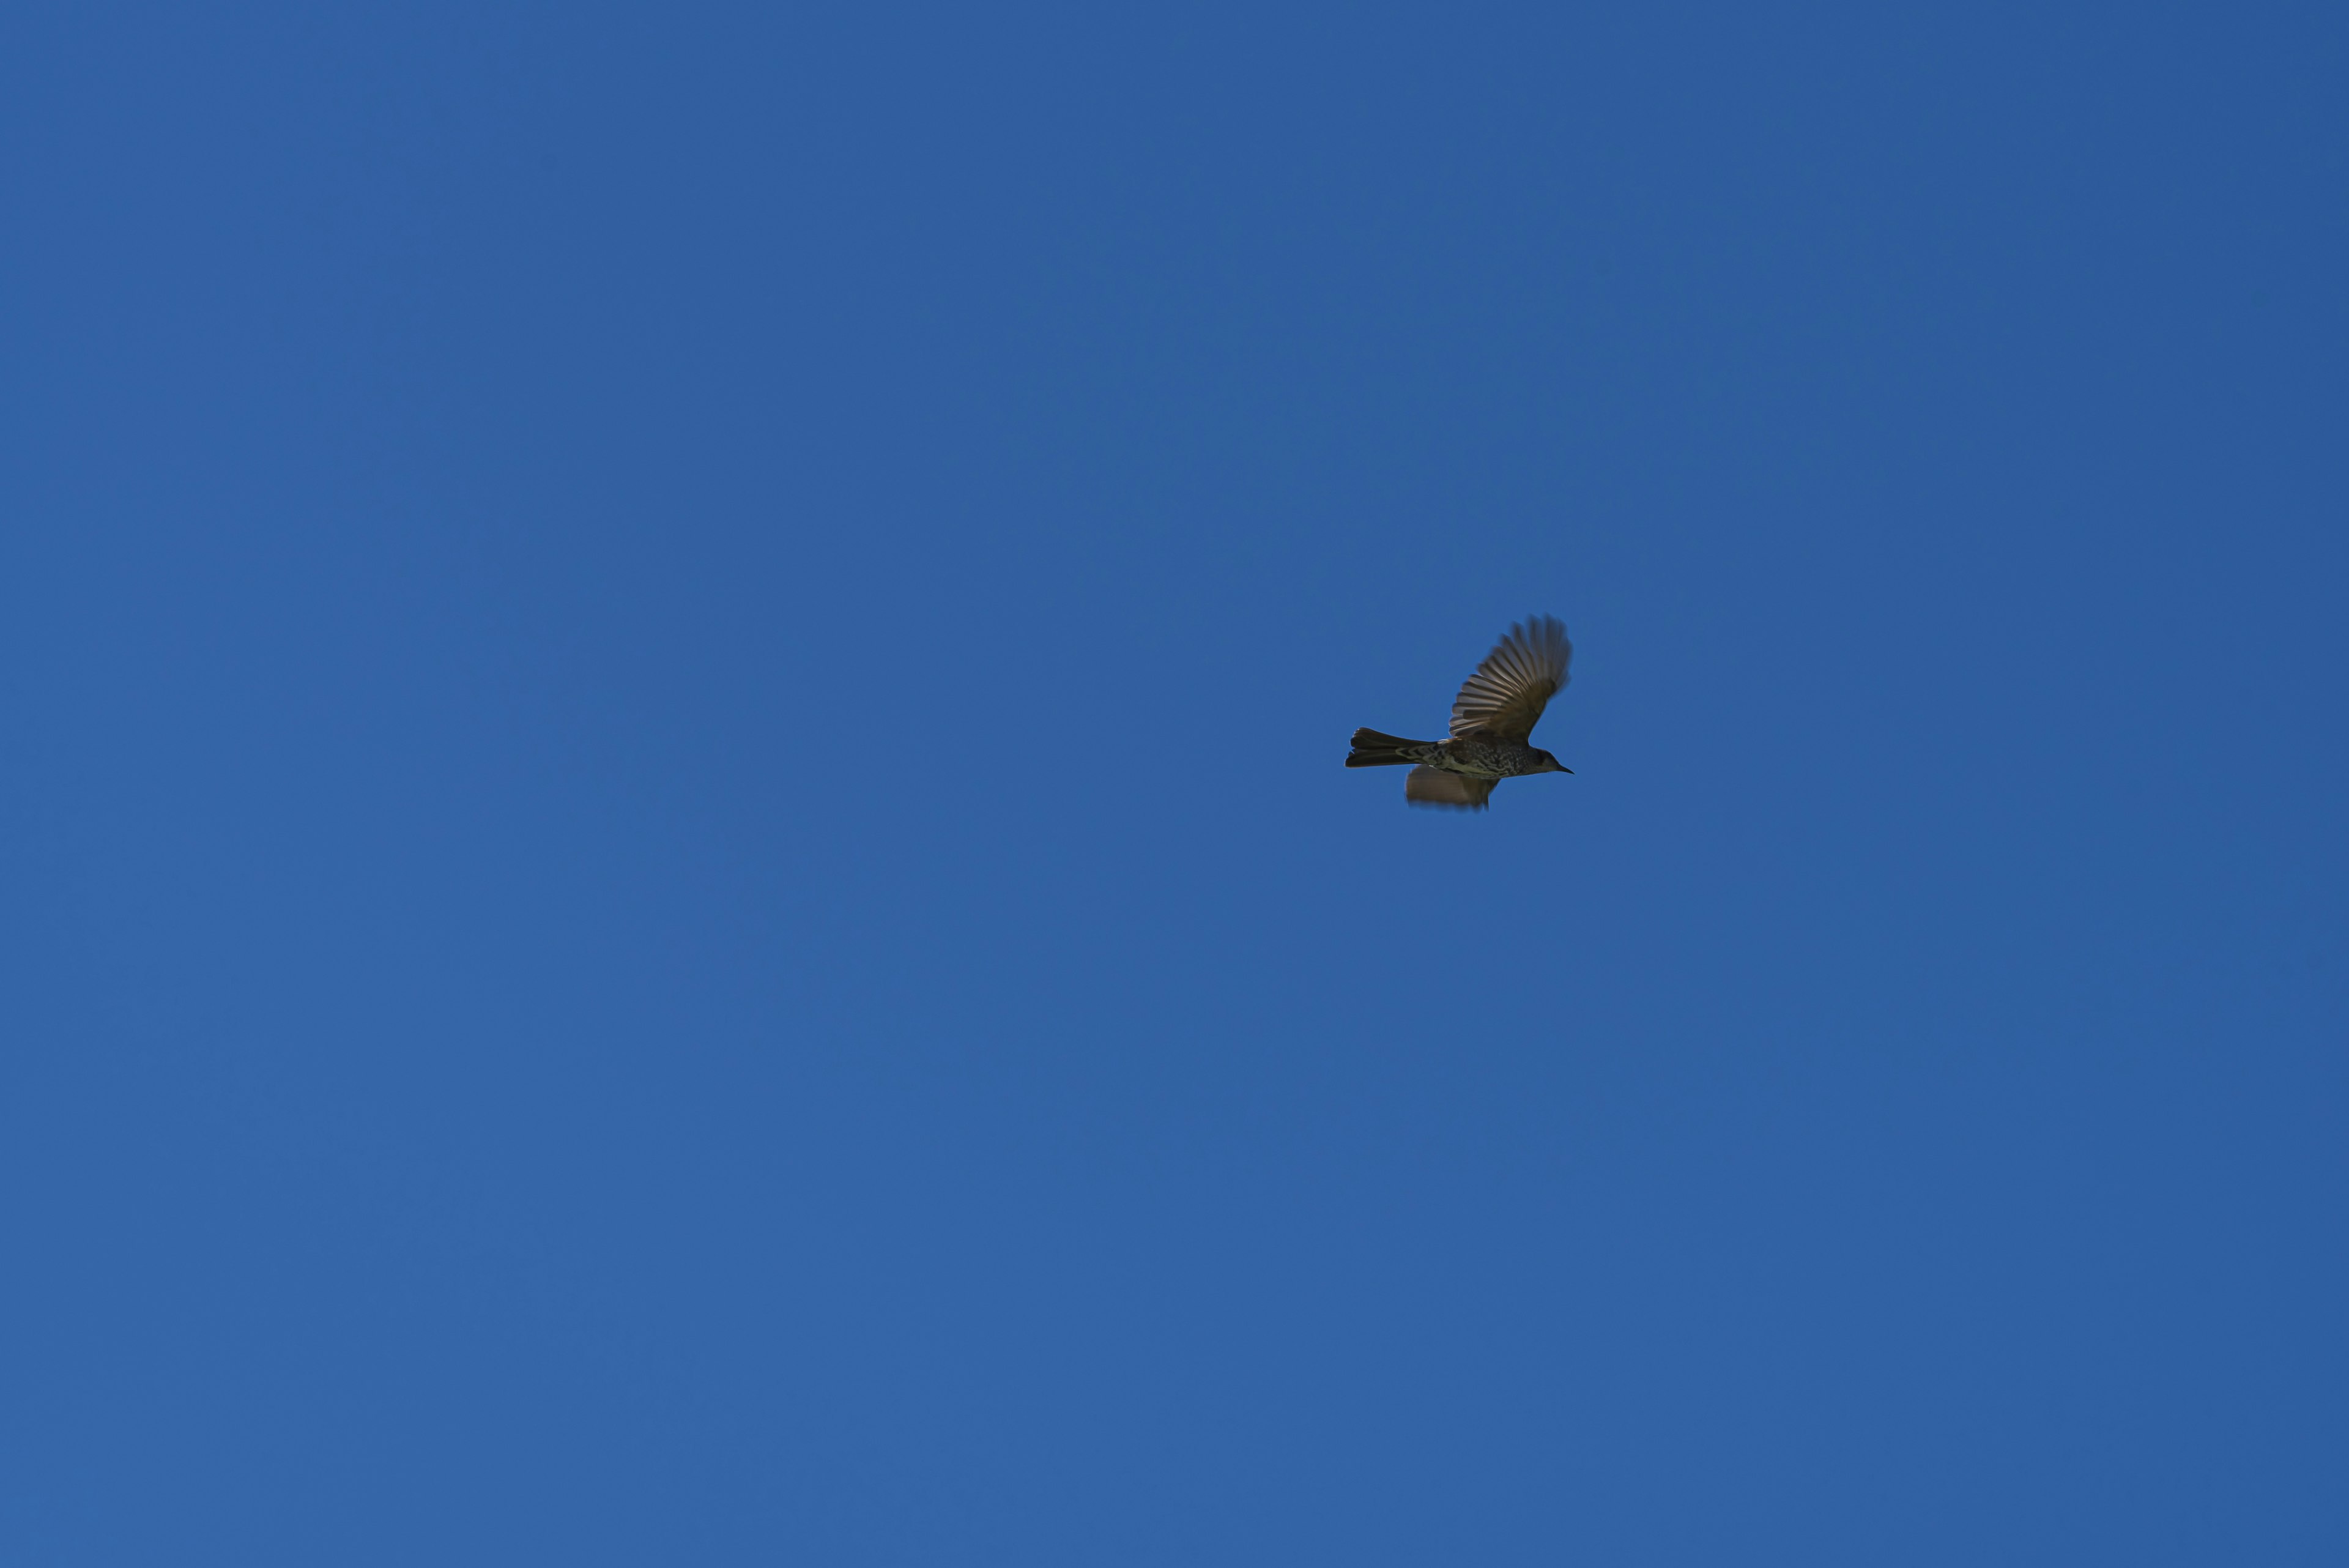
x: 1492, y: 721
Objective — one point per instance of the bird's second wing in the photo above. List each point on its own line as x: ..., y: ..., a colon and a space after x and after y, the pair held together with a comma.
x: 1506, y: 695
x: 1434, y: 786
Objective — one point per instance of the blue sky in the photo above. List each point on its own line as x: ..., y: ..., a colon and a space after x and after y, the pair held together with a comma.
x: 678, y: 888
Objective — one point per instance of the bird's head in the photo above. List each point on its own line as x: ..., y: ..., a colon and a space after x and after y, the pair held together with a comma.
x: 1552, y: 765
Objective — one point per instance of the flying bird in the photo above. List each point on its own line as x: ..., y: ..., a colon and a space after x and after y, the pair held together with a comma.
x: 1491, y: 719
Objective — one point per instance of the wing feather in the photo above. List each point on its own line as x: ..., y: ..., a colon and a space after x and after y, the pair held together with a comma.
x: 1434, y: 786
x: 1506, y: 695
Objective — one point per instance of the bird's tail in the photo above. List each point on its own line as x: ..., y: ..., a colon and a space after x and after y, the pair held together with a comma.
x: 1373, y: 750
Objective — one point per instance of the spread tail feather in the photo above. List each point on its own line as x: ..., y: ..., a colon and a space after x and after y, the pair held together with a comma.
x: 1374, y: 750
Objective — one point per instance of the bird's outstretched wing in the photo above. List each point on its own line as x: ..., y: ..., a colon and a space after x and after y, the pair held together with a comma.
x: 1506, y: 695
x: 1434, y: 786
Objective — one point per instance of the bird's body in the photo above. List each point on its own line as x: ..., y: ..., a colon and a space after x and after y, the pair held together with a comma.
x: 1491, y: 721
x: 1471, y: 756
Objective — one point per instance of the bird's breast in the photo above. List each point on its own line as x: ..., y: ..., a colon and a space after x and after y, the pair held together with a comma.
x: 1490, y: 759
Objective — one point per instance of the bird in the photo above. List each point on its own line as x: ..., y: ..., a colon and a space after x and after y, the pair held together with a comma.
x: 1491, y: 719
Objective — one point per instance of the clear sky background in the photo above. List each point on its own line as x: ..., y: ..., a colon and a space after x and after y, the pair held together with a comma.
x: 678, y: 887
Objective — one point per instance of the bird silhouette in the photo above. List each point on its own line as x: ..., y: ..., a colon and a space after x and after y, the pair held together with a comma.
x: 1491, y: 719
